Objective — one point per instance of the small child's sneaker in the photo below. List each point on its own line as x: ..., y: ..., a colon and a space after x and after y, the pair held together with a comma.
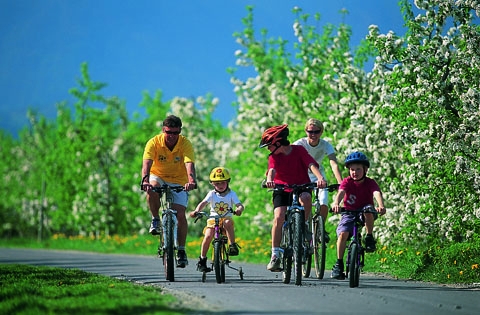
x: 233, y: 249
x: 202, y: 264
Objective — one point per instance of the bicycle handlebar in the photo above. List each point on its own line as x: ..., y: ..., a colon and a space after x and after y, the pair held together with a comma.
x: 297, y: 187
x: 365, y: 209
x: 163, y: 188
x: 202, y: 214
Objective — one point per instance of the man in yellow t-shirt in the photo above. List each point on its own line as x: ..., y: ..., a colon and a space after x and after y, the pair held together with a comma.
x: 169, y: 158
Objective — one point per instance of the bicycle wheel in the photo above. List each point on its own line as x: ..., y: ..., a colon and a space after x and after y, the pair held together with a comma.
x: 319, y: 246
x: 287, y: 255
x: 168, y: 254
x: 298, y: 228
x: 217, y: 260
x: 307, y: 267
x: 353, y: 268
x: 223, y: 261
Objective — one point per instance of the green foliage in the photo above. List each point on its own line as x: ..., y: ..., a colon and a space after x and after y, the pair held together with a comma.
x: 415, y: 115
x: 45, y: 290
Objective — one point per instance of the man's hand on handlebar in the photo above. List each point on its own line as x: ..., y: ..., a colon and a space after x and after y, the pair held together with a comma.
x: 190, y: 186
x: 145, y: 184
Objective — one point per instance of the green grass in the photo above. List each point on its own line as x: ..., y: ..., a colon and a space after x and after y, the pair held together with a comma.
x: 44, y: 290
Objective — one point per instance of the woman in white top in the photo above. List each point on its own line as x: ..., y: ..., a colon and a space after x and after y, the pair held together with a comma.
x: 319, y: 149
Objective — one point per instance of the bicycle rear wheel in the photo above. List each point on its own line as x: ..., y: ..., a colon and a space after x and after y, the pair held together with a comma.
x: 217, y: 260
x: 319, y: 246
x: 287, y: 255
x: 354, y: 267
x: 169, y: 252
x: 298, y: 227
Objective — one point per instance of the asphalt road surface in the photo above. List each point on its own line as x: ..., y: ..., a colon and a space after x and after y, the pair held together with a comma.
x: 262, y: 291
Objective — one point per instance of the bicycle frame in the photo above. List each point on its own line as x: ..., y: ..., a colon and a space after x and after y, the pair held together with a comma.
x: 293, y: 234
x: 356, y: 252
x: 168, y: 238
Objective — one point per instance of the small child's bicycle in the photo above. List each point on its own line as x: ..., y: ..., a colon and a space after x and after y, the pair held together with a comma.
x: 220, y: 256
x: 356, y: 251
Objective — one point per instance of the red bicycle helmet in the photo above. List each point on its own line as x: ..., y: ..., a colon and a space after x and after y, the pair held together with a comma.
x: 273, y: 135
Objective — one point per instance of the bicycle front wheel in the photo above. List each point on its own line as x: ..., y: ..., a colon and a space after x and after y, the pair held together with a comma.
x: 168, y: 253
x: 287, y: 255
x: 298, y: 228
x: 319, y: 246
x: 354, y: 267
x: 217, y: 260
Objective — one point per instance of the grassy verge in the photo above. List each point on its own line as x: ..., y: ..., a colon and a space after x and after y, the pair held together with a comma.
x: 44, y: 290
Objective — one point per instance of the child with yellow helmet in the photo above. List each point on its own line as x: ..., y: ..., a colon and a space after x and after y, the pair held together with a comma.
x: 220, y: 199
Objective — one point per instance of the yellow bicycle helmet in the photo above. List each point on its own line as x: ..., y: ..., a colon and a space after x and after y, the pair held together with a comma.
x: 219, y: 174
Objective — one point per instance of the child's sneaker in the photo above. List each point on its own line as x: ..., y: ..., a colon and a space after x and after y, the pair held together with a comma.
x: 233, y: 249
x: 202, y: 264
x: 337, y: 272
x: 274, y: 264
x: 370, y: 244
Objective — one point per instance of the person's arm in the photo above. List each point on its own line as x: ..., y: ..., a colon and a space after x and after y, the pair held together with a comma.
x: 192, y: 177
x: 321, y: 182
x: 379, y: 198
x: 146, y: 166
x: 199, y: 208
x: 239, y: 209
x: 337, y: 200
x: 270, y: 176
x: 334, y: 165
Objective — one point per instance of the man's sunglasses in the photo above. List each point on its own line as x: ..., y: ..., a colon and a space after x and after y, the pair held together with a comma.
x: 314, y: 131
x: 168, y: 132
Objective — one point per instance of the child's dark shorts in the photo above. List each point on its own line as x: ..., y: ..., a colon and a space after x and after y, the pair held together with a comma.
x: 282, y: 198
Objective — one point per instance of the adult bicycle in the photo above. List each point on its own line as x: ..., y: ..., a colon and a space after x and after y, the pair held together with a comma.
x: 168, y: 243
x: 318, y: 245
x: 356, y: 251
x: 220, y: 256
x: 293, y: 240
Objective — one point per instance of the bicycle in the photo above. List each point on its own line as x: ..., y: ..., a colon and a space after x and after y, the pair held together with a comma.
x: 220, y: 256
x: 317, y: 226
x: 356, y: 251
x: 168, y: 237
x: 293, y: 241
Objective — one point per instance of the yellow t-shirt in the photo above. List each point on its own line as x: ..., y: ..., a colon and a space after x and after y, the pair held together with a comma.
x: 169, y: 165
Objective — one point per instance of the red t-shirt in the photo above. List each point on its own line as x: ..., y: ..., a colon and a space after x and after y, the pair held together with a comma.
x: 292, y: 168
x: 358, y: 195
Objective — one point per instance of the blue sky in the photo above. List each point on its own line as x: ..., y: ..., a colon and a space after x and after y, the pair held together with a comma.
x: 180, y: 47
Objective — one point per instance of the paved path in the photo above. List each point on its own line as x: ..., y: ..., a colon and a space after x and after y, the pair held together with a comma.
x: 261, y: 291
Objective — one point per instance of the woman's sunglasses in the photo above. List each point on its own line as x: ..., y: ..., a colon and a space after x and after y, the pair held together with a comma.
x: 316, y: 132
